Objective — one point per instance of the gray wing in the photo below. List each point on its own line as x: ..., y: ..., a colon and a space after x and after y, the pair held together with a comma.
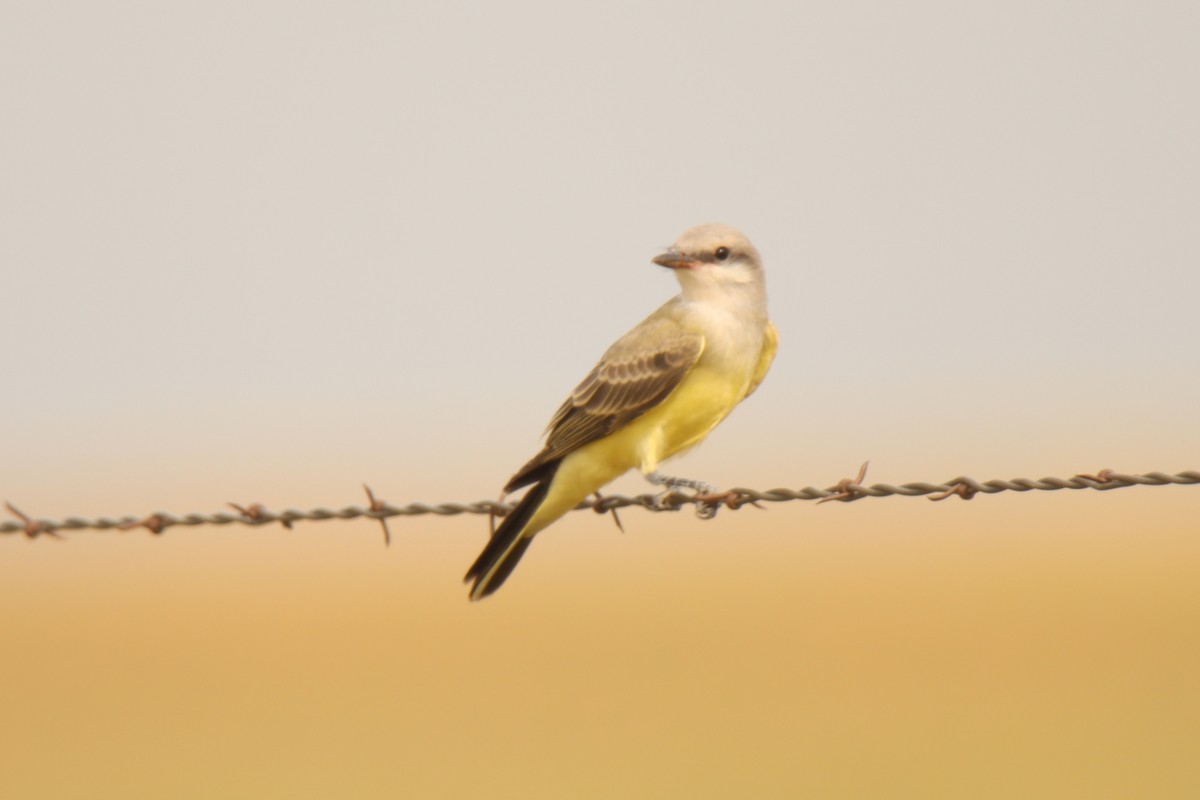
x: 631, y: 378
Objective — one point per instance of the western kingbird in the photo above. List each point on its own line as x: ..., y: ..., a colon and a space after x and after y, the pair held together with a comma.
x: 656, y: 393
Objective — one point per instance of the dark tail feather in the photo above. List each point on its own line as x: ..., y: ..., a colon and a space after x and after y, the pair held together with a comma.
x: 499, y: 558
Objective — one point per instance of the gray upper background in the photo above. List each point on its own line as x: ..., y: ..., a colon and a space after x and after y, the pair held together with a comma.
x: 382, y: 241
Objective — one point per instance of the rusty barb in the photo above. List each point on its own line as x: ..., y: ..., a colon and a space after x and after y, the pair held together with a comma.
x: 706, y: 505
x: 848, y: 490
x: 32, y: 528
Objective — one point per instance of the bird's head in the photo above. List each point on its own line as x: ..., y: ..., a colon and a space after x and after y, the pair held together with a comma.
x: 713, y: 259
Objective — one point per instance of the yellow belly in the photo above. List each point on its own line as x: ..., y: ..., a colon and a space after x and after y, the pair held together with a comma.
x: 685, y: 417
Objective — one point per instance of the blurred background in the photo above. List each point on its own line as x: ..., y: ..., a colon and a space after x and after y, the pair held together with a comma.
x: 267, y: 251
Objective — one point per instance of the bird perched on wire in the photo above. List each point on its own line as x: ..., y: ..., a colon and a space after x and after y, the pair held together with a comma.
x: 658, y: 391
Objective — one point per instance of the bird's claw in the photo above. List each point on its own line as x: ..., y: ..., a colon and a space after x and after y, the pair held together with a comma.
x: 670, y: 500
x: 702, y: 491
x: 707, y: 498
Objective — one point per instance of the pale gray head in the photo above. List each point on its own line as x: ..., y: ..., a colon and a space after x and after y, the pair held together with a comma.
x: 713, y: 259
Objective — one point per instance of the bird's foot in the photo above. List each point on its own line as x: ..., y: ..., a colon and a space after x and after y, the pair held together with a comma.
x: 705, y: 495
x: 658, y: 479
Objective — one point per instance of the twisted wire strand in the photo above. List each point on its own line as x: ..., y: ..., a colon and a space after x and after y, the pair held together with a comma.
x: 844, y: 491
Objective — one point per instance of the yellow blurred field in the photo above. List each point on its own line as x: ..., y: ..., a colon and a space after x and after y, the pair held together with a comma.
x: 888, y: 648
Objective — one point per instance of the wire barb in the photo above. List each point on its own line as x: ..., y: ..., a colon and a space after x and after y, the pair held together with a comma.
x: 845, y: 490
x: 601, y: 508
x: 966, y: 488
x: 32, y: 528
x: 377, y: 509
x: 257, y: 514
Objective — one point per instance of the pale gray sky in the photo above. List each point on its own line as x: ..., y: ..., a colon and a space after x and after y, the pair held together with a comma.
x: 318, y: 231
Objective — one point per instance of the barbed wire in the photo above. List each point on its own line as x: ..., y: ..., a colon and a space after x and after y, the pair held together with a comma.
x: 706, y: 505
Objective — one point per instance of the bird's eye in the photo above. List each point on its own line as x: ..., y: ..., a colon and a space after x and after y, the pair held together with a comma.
x: 722, y: 253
